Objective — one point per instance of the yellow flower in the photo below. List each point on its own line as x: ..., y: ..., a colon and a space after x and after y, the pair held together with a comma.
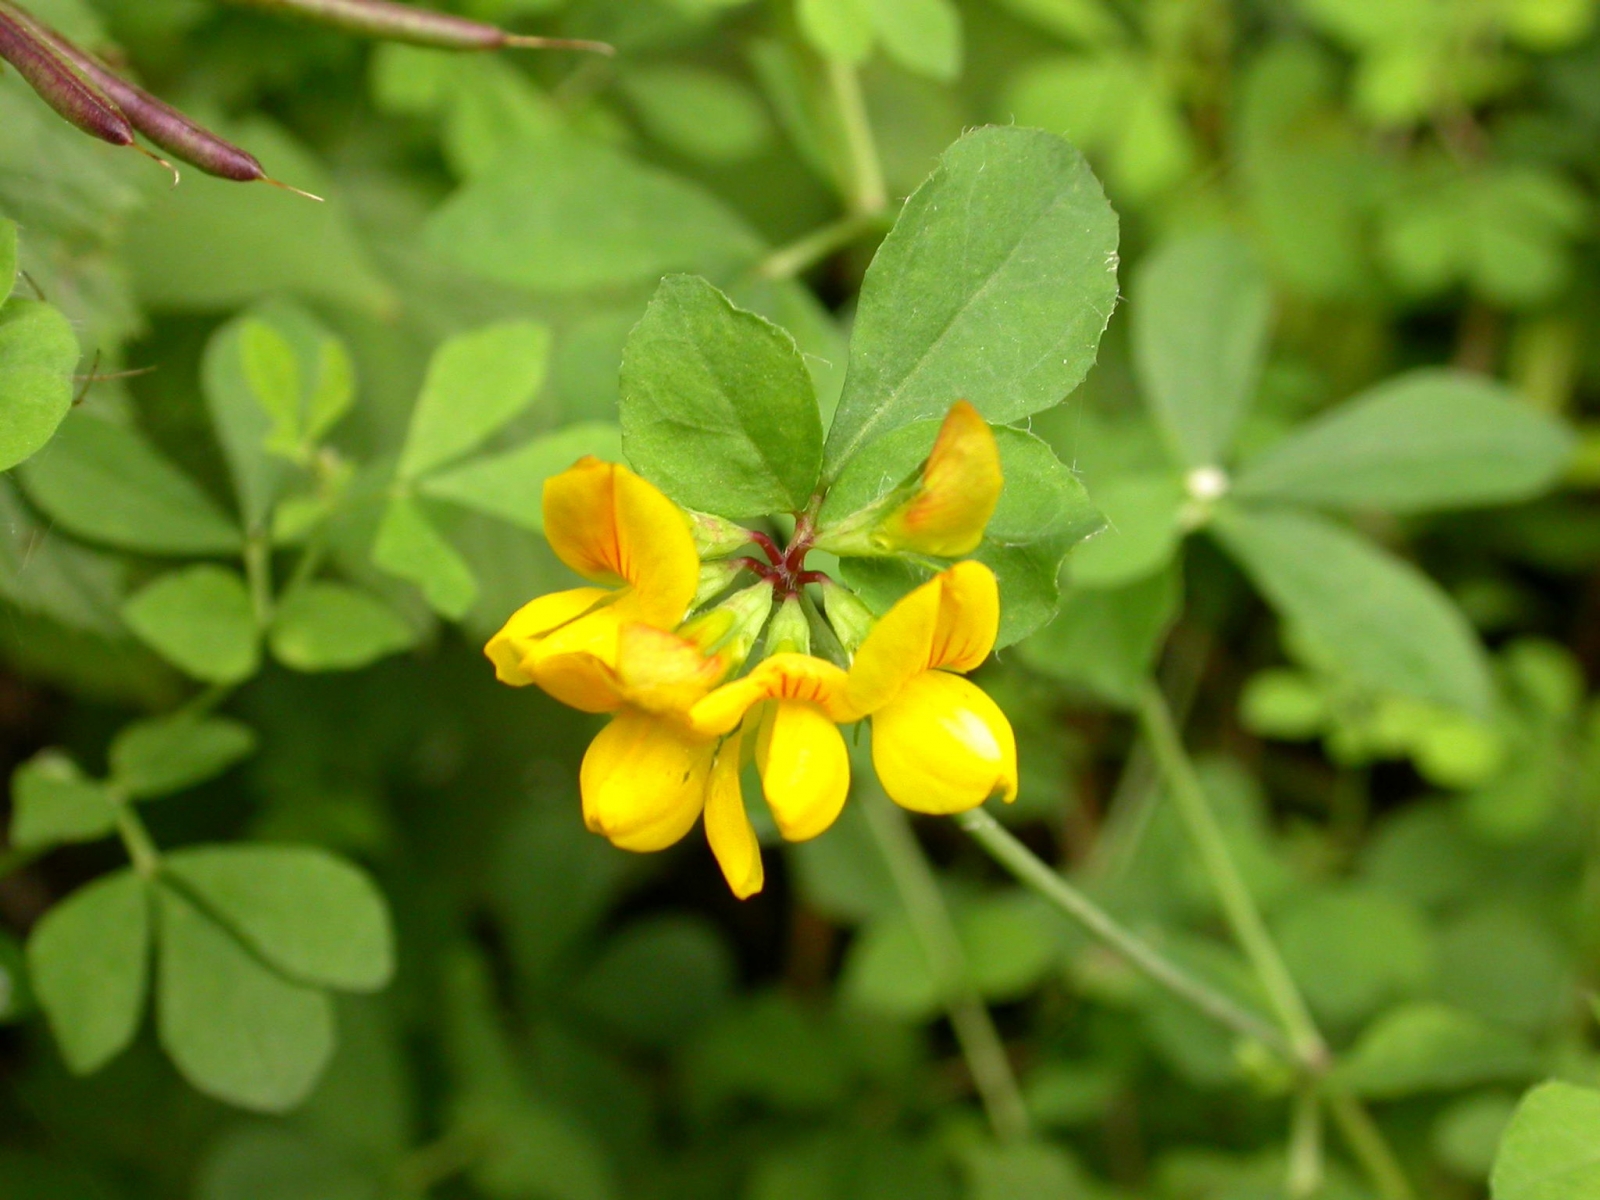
x: 957, y: 494
x: 939, y: 744
x: 649, y: 773
x: 804, y: 766
x: 612, y: 528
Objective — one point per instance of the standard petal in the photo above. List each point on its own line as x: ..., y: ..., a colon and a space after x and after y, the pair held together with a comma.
x: 942, y: 746
x: 781, y: 677
x: 805, y: 769
x: 532, y: 623
x: 644, y: 780
x: 728, y: 829
x: 611, y: 526
x: 958, y: 492
x: 896, y: 650
x: 969, y: 617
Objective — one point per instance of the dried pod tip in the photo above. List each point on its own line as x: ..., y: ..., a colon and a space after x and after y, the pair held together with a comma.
x: 177, y: 176
x: 517, y: 41
x: 277, y: 183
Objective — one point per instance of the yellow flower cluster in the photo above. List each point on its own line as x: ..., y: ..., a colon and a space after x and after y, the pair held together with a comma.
x: 685, y: 721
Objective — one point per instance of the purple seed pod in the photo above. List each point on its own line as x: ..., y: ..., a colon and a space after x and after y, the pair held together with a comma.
x: 72, y: 98
x: 419, y: 26
x: 157, y: 120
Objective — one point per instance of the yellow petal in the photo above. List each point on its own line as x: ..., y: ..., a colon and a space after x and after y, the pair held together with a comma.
x: 781, y: 677
x: 958, y: 492
x: 644, y: 780
x: 728, y: 829
x: 532, y: 623
x: 805, y: 769
x: 611, y: 526
x: 969, y: 617
x: 661, y: 672
x: 896, y: 650
x: 942, y: 746
x: 581, y: 681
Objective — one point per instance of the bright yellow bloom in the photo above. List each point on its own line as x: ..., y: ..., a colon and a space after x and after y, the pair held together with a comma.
x: 645, y: 775
x: 939, y: 744
x: 957, y: 494
x: 612, y: 528
x: 804, y: 766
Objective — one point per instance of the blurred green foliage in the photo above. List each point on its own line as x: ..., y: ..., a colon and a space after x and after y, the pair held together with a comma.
x: 1344, y: 430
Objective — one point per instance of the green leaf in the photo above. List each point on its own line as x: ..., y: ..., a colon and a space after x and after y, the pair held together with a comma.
x: 262, y: 433
x: 1362, y: 613
x: 994, y: 286
x: 1427, y: 1047
x: 1354, y: 950
x: 89, y: 962
x: 409, y: 546
x: 1106, y: 639
x: 702, y: 113
x: 660, y: 980
x: 1043, y: 513
x: 105, y: 483
x: 511, y: 485
x: 1022, y: 1171
x: 201, y: 620
x: 1142, y: 530
x: 271, y: 1162
x: 1200, y: 309
x: 476, y: 383
x: 886, y: 971
x: 8, y: 259
x: 332, y: 627
x: 308, y: 913
x: 839, y: 29
x: 235, y: 1029
x: 717, y: 406
x: 1552, y: 1149
x: 169, y: 754
x: 1426, y: 440
x: 579, y: 215
x: 273, y: 373
x: 38, y: 351
x: 52, y: 801
x: 921, y: 35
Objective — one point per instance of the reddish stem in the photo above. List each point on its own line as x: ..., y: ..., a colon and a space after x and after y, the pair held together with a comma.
x: 768, y: 547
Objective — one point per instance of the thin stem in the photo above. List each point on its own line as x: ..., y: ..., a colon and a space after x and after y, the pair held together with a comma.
x: 1305, y: 1176
x: 1048, y: 883
x: 136, y: 838
x: 1366, y: 1142
x: 870, y: 193
x: 798, y: 256
x: 1194, y: 807
x: 258, y: 570
x: 930, y: 919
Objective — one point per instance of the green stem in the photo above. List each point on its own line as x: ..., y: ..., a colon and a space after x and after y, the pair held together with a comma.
x: 1038, y: 875
x: 791, y: 260
x: 258, y: 570
x: 930, y: 920
x: 1305, y: 1176
x: 1244, y: 918
x: 870, y: 193
x: 136, y: 839
x: 1366, y: 1142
